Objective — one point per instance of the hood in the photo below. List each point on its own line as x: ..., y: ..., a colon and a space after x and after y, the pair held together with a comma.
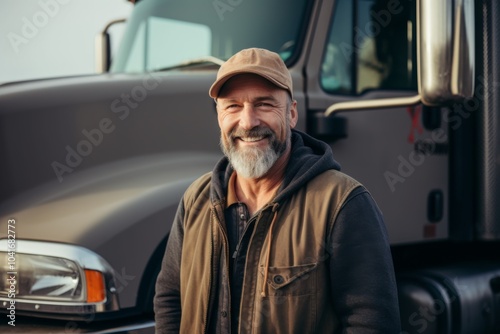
x: 51, y: 129
x: 309, y: 157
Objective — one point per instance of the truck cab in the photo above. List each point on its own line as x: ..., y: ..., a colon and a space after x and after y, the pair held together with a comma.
x: 405, y: 92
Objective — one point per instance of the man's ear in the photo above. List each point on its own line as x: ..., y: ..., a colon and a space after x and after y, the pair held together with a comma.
x: 293, y: 114
x: 217, y: 113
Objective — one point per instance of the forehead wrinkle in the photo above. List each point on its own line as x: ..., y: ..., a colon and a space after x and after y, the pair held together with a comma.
x: 265, y: 98
x: 255, y: 99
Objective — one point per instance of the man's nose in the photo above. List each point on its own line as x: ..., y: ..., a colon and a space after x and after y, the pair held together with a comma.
x: 248, y: 118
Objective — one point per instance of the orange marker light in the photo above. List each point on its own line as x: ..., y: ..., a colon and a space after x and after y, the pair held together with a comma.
x: 96, y: 292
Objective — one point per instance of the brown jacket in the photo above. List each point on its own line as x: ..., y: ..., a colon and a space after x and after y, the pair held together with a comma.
x: 292, y: 249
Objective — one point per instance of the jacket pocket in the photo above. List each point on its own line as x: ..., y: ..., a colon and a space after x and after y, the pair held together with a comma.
x: 291, y: 281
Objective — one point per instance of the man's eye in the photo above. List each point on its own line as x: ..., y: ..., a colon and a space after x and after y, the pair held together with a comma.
x: 264, y: 105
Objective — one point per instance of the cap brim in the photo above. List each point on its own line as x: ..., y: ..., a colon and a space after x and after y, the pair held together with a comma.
x: 217, y: 85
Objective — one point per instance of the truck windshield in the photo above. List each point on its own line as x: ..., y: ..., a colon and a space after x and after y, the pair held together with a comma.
x: 162, y: 34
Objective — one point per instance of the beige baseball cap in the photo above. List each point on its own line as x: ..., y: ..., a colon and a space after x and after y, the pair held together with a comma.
x: 265, y: 63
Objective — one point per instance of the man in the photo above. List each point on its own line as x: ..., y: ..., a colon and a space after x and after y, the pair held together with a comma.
x: 275, y: 239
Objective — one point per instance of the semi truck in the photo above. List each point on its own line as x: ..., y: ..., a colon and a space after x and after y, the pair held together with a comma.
x: 406, y: 92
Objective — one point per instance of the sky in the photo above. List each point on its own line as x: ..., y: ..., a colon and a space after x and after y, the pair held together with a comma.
x: 49, y: 38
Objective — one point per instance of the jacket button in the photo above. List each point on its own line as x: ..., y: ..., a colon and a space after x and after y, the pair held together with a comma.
x: 223, y: 314
x: 278, y: 279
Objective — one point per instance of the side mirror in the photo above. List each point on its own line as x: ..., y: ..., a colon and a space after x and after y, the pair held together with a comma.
x: 445, y: 57
x: 103, y: 48
x: 446, y: 51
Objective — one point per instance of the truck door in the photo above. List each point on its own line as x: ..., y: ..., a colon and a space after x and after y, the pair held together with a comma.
x: 365, y: 49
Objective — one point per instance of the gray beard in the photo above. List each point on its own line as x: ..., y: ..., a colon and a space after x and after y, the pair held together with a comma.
x: 254, y: 162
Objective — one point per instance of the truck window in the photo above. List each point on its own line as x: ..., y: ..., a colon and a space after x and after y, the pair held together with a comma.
x: 372, y: 45
x: 153, y: 48
x: 162, y: 34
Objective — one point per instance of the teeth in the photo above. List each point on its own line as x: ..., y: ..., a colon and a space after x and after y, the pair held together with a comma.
x: 252, y: 139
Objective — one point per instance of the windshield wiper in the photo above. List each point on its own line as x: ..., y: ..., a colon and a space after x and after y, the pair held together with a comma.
x: 197, y: 61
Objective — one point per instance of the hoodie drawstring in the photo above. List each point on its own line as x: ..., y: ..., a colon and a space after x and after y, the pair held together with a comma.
x: 266, y: 268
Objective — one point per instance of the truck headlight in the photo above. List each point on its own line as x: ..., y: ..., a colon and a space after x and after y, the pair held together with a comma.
x: 56, y: 278
x: 52, y: 278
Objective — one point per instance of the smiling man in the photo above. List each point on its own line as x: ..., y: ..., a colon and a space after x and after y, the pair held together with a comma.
x: 276, y: 239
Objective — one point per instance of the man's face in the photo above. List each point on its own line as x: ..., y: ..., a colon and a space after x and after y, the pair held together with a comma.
x: 255, y: 118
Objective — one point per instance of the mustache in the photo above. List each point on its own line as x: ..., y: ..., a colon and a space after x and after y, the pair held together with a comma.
x: 254, y: 132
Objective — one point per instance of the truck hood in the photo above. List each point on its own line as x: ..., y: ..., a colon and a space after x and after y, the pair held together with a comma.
x: 91, y: 207
x: 51, y: 129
